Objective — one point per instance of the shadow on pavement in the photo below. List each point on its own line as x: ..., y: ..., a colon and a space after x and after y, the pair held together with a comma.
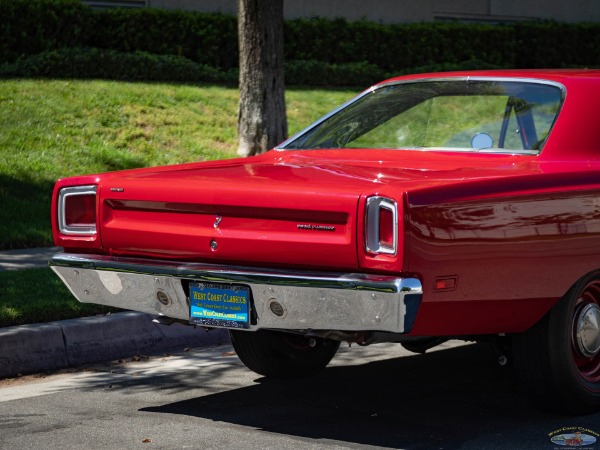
x: 456, y: 398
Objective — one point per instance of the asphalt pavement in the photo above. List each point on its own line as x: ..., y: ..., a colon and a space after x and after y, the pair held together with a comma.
x: 54, y: 345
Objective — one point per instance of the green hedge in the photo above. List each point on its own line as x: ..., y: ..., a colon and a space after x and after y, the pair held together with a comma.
x: 110, y: 64
x: 552, y: 44
x: 113, y: 65
x: 209, y: 39
x: 28, y: 27
x: 400, y: 46
x: 358, y: 50
x: 33, y: 26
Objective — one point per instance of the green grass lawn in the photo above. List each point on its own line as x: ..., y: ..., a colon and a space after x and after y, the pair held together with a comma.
x: 54, y: 129
x: 38, y: 295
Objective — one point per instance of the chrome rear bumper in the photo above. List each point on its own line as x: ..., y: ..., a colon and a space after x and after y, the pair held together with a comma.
x: 310, y: 300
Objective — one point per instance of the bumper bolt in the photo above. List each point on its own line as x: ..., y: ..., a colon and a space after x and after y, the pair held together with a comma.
x: 162, y: 297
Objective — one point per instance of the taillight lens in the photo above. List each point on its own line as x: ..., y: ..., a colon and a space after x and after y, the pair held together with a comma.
x: 386, y: 227
x: 381, y: 227
x: 77, y: 210
x: 80, y: 210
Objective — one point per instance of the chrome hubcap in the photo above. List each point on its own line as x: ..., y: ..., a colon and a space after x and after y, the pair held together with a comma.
x: 587, y: 326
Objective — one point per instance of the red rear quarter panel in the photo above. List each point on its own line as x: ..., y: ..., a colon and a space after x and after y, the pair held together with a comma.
x: 515, y: 246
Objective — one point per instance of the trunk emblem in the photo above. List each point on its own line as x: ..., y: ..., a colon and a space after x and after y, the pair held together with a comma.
x: 315, y: 227
x: 217, y: 221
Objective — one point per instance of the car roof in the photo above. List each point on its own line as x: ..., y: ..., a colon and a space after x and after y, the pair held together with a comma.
x: 557, y: 75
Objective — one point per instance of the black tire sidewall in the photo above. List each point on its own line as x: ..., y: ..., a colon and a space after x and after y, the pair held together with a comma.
x: 544, y: 361
x: 577, y: 393
x: 273, y: 353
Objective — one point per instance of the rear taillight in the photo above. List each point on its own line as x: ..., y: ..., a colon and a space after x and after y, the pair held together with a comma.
x: 381, y: 227
x: 77, y: 210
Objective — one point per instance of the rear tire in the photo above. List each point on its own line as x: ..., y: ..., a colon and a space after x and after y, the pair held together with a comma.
x: 282, y: 355
x: 558, y: 360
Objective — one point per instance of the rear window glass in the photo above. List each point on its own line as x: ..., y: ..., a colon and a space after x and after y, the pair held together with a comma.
x: 461, y: 115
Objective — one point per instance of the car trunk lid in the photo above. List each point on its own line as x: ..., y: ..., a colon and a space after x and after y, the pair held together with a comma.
x: 236, y: 213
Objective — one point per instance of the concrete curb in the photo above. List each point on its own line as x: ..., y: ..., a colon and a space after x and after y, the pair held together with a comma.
x: 55, y: 345
x: 41, y: 347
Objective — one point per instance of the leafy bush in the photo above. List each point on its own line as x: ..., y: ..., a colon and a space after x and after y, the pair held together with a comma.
x: 110, y: 64
x: 553, y: 44
x: 84, y: 63
x: 97, y: 63
x: 398, y: 46
x: 33, y: 26
x: 471, y: 64
x: 317, y: 73
x: 209, y: 39
x: 319, y: 51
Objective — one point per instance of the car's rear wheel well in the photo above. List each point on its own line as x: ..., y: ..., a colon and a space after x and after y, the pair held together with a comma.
x: 558, y: 359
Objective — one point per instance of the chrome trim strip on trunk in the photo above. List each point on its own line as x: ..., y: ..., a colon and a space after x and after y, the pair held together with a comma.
x: 310, y: 300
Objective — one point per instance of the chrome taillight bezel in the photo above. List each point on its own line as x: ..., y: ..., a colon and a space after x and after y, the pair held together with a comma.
x: 372, y: 239
x: 63, y: 195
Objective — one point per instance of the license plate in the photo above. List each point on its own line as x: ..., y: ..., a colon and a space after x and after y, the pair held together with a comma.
x: 220, y: 305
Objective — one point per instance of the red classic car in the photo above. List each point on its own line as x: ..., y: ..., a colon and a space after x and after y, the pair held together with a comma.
x: 434, y: 206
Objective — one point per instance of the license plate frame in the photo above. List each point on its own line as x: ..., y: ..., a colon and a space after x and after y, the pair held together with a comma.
x: 221, y: 305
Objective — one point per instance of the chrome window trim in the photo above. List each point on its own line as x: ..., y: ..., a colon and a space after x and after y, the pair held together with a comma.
x: 372, y: 241
x: 563, y: 89
x: 63, y: 195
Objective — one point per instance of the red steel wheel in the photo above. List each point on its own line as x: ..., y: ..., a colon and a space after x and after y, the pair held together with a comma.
x: 585, y: 338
